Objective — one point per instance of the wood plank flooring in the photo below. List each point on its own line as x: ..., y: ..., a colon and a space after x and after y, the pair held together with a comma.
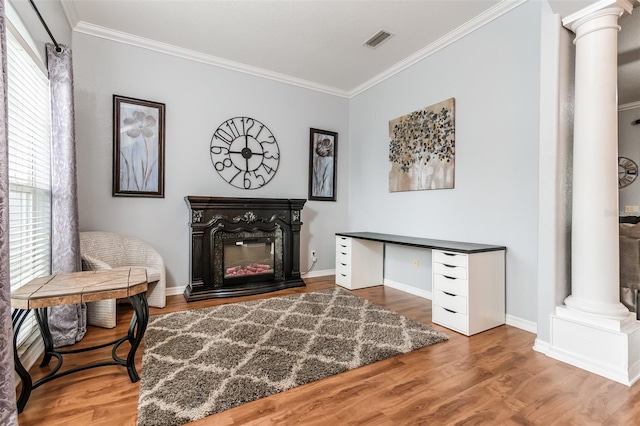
x: 493, y: 378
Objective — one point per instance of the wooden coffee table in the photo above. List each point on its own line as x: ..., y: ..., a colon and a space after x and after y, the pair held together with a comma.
x: 78, y: 287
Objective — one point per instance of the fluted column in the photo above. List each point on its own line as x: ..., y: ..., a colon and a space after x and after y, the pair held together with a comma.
x: 595, y: 260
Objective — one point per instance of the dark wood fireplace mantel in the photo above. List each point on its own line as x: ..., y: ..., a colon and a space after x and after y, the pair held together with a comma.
x: 216, y: 219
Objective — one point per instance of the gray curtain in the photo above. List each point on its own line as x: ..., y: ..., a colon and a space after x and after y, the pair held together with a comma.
x: 68, y: 323
x: 8, y: 410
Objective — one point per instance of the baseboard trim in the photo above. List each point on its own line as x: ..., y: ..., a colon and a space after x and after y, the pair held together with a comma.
x: 174, y: 291
x: 626, y: 377
x: 426, y: 294
x: 541, y: 346
x: 320, y: 273
x: 522, y: 324
x: 511, y: 320
x: 609, y: 350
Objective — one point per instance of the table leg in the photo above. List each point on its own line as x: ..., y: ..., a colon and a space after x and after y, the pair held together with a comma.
x: 19, y: 316
x: 137, y: 327
x: 47, y: 339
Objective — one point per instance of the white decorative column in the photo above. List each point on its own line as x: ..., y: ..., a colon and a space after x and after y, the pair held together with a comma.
x: 593, y: 330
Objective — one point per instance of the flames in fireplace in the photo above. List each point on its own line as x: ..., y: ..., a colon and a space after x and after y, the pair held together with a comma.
x: 253, y: 269
x: 249, y: 256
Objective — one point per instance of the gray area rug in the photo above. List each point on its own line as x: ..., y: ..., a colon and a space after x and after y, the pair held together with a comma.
x: 200, y: 362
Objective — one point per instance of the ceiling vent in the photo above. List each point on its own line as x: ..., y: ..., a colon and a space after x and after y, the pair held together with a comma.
x: 378, y: 38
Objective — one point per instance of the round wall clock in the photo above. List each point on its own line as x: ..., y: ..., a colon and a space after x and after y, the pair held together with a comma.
x: 245, y: 153
x: 627, y: 171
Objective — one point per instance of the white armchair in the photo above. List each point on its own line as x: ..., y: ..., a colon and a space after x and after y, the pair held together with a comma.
x: 107, y: 250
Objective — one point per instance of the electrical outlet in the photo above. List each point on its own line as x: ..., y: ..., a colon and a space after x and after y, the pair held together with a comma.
x: 416, y: 263
x: 313, y: 256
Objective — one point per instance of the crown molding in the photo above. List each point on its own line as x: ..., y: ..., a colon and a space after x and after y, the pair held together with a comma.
x: 70, y: 12
x: 574, y: 19
x: 479, y: 21
x: 630, y: 105
x: 488, y: 16
x: 168, y: 49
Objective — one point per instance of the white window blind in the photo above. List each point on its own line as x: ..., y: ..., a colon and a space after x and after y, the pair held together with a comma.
x: 29, y: 171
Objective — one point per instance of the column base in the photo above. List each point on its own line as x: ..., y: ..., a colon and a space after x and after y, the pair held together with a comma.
x: 604, y: 346
x: 614, y: 311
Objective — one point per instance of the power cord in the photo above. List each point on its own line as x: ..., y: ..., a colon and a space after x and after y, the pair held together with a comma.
x: 314, y: 261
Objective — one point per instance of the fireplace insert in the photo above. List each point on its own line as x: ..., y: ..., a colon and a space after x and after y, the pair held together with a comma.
x: 248, y: 259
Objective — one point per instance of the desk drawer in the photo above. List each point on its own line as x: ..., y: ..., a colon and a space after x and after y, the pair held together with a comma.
x: 343, y: 249
x: 342, y: 257
x: 343, y: 268
x: 457, y: 286
x: 450, y: 271
x: 450, y: 301
x: 343, y: 279
x: 448, y: 258
x: 343, y: 241
x: 453, y: 320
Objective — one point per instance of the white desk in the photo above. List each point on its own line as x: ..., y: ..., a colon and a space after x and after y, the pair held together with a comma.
x: 468, y: 278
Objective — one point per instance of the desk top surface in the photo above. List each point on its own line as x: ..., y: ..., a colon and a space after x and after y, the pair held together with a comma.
x: 455, y: 246
x: 79, y: 287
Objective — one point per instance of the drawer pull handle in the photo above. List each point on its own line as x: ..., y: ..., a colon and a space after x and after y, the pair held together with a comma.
x: 449, y: 278
x: 449, y: 310
x: 343, y: 275
x: 344, y: 253
x: 343, y: 264
x: 448, y: 254
x: 449, y: 294
x: 448, y: 266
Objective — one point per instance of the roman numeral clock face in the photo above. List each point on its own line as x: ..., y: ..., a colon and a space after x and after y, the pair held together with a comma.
x: 245, y: 153
x: 627, y: 171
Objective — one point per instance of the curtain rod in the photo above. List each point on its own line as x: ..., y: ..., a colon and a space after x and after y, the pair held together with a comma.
x: 44, y: 24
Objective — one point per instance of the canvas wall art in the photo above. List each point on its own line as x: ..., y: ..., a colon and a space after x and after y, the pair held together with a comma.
x: 138, y: 147
x: 323, y: 162
x: 422, y: 149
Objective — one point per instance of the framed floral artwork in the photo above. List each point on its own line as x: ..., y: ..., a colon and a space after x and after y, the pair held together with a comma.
x: 138, y: 148
x: 323, y: 163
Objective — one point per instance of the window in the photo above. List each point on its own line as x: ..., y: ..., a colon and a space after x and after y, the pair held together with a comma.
x: 29, y: 171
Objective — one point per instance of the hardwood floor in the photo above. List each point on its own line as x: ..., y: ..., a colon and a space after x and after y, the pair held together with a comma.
x: 493, y: 378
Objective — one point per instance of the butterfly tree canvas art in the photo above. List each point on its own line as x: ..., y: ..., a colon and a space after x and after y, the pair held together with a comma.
x: 422, y: 149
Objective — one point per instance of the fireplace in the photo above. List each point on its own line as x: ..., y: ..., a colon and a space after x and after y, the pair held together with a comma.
x: 242, y: 246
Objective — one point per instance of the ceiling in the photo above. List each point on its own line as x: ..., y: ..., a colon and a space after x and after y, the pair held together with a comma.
x: 316, y: 44
x: 319, y: 42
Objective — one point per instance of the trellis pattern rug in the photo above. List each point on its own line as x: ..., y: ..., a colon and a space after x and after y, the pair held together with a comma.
x: 200, y: 362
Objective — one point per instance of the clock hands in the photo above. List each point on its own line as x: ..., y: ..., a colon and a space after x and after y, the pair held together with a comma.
x: 244, y: 152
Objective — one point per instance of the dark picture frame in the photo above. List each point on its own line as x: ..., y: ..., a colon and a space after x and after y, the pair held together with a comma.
x: 323, y: 165
x: 138, y: 147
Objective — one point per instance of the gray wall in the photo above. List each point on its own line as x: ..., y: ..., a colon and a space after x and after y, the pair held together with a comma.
x: 554, y: 171
x: 629, y: 99
x: 494, y: 76
x: 629, y: 146
x: 198, y: 98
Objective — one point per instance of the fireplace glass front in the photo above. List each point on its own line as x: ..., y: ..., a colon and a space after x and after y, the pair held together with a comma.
x: 246, y: 259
